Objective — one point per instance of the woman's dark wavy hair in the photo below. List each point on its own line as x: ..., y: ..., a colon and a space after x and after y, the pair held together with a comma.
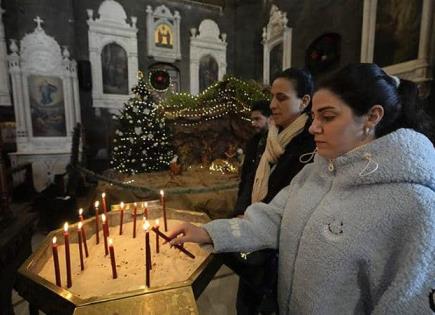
x: 302, y: 81
x: 364, y: 85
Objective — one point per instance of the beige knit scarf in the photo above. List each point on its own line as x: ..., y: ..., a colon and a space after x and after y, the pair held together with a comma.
x: 275, y: 147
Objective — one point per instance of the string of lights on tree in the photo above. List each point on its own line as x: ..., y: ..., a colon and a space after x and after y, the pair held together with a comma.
x: 141, y: 143
x: 231, y: 95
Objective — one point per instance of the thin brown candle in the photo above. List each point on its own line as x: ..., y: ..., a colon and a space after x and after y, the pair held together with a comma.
x: 145, y: 209
x: 81, y: 214
x: 179, y: 247
x: 146, y: 225
x: 97, y: 228
x: 162, y: 201
x: 121, y: 220
x: 67, y: 256
x: 56, y: 262
x: 157, y: 236
x: 83, y: 232
x: 112, y: 259
x: 79, y: 235
x: 134, y: 219
x: 103, y: 201
x: 105, y: 234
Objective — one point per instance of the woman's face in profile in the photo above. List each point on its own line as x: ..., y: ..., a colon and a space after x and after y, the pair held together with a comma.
x: 286, y: 106
x: 335, y: 128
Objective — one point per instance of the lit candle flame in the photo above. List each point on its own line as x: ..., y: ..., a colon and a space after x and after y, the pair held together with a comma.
x: 146, y: 225
x: 103, y: 195
x: 157, y: 222
x: 110, y: 242
x: 81, y: 211
x: 97, y: 203
x: 145, y: 204
x: 80, y: 225
x: 103, y: 217
x: 122, y: 205
x: 54, y: 240
x: 135, y: 204
x: 65, y: 227
x: 162, y: 193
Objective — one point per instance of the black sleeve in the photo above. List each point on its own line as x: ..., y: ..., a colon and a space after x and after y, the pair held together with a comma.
x: 288, y: 164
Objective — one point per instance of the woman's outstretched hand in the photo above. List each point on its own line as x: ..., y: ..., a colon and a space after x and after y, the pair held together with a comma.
x: 186, y: 232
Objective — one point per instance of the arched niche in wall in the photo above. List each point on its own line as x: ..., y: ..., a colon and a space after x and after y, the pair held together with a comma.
x: 113, y: 55
x: 46, y: 103
x: 163, y: 34
x: 277, y: 38
x: 208, y: 47
x: 173, y: 72
x: 397, y: 37
x: 5, y: 99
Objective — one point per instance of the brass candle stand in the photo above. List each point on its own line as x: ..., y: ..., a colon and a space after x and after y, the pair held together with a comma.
x: 175, y: 298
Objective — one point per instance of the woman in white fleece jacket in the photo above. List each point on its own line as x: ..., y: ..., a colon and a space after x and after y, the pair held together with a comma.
x: 356, y: 228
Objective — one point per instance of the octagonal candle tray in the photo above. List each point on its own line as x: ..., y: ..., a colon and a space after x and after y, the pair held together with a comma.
x: 121, y: 266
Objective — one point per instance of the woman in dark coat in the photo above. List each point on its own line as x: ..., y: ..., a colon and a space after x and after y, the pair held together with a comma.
x: 288, y: 139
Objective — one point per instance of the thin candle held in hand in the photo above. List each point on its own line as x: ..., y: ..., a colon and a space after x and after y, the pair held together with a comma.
x: 81, y: 214
x: 97, y: 228
x: 179, y: 247
x: 56, y: 262
x: 67, y: 256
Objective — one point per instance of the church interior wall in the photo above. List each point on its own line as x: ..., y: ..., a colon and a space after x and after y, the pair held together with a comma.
x: 242, y: 21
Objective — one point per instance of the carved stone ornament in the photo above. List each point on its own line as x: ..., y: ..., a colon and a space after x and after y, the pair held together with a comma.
x: 208, y: 41
x: 5, y: 99
x: 46, y: 101
x: 113, y: 55
x: 163, y: 34
x: 276, y: 32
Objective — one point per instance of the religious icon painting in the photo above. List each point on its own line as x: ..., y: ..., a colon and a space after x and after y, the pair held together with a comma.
x: 114, y: 63
x: 164, y: 36
x: 47, y: 106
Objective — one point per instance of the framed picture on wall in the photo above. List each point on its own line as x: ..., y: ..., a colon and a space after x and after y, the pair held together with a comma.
x: 164, y: 36
x: 114, y: 65
x: 8, y: 132
x: 208, y: 72
x: 47, y: 106
x: 396, y: 36
x: 397, y: 31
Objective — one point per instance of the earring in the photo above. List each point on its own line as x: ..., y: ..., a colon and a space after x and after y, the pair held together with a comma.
x: 366, y: 131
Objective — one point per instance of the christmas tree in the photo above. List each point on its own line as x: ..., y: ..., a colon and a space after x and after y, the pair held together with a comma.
x: 141, y: 143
